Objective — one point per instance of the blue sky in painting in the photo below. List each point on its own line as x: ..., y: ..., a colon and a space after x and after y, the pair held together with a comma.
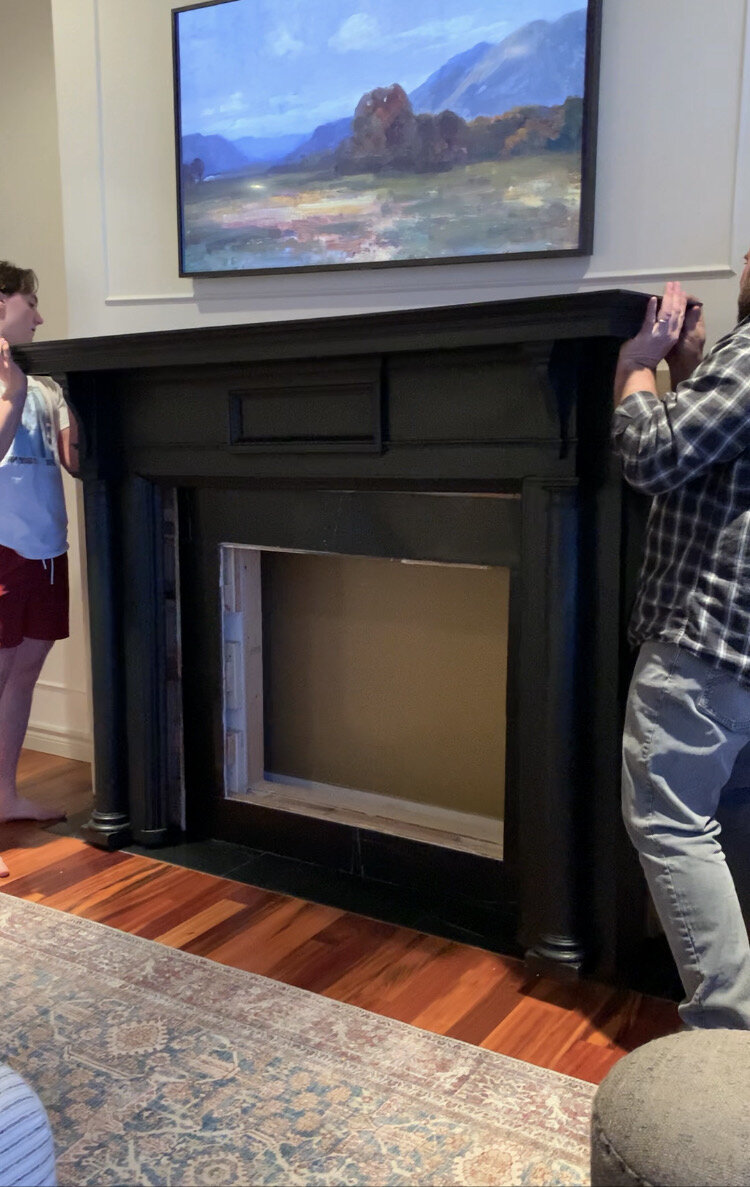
x: 269, y: 67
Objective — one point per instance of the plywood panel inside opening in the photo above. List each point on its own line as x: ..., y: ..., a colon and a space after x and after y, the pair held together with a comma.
x: 388, y: 677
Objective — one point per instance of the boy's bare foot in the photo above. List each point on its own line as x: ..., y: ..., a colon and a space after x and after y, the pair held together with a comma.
x: 21, y: 809
x: 4, y: 871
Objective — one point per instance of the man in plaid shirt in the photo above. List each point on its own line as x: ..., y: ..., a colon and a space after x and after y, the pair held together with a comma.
x: 688, y: 716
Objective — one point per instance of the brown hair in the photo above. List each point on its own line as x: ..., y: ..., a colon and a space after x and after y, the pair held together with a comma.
x: 17, y: 280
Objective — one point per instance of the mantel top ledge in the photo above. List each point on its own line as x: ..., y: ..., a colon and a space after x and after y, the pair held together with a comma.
x: 613, y: 313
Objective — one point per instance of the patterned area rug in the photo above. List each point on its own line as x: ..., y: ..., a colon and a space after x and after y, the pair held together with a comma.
x: 159, y: 1067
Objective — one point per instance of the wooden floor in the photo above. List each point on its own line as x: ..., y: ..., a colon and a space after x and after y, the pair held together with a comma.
x: 442, y: 986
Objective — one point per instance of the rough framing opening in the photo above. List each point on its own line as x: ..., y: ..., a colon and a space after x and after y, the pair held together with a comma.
x: 369, y: 691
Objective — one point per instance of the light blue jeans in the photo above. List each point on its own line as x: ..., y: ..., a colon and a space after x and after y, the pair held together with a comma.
x: 686, y: 761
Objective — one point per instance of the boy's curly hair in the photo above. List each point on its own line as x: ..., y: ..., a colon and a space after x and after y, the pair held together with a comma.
x: 17, y: 280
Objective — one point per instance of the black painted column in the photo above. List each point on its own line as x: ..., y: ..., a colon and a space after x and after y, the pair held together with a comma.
x: 145, y: 646
x: 550, y: 841
x: 99, y: 470
x: 109, y: 824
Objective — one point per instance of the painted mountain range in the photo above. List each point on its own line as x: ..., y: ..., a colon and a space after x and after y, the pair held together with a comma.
x: 541, y: 63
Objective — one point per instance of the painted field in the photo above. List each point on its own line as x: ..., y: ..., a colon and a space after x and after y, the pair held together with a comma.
x: 281, y: 220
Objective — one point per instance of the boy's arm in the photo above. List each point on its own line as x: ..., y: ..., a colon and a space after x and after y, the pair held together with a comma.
x: 12, y: 397
x: 67, y: 447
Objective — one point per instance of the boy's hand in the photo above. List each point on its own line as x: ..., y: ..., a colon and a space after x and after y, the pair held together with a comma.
x: 12, y: 378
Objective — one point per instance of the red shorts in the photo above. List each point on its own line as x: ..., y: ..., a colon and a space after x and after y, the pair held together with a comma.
x: 33, y: 598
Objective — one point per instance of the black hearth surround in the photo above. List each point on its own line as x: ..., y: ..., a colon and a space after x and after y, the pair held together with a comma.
x: 336, y: 430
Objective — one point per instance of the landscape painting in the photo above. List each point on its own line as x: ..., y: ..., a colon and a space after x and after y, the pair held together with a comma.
x: 349, y: 133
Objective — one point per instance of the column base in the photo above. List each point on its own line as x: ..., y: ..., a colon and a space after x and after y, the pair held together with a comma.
x: 558, y: 957
x: 107, y: 830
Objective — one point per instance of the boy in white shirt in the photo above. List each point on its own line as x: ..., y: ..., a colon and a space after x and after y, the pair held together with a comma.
x: 37, y: 435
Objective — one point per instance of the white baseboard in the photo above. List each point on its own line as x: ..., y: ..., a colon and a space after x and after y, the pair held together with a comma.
x: 65, y: 743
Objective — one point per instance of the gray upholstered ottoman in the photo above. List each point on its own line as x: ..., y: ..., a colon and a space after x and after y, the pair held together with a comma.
x: 674, y: 1112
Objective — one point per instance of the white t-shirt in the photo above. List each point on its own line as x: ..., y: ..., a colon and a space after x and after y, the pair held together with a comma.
x: 33, y: 521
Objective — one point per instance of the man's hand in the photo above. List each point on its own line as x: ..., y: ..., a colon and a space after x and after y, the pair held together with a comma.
x: 12, y: 378
x: 686, y: 355
x: 659, y: 334
x: 640, y: 356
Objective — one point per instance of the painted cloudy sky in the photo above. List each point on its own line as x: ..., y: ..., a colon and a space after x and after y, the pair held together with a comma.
x: 269, y: 67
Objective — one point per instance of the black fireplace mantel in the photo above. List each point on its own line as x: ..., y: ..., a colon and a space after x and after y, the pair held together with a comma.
x: 265, y: 428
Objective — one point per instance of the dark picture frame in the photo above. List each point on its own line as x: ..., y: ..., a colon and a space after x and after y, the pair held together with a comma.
x: 430, y: 187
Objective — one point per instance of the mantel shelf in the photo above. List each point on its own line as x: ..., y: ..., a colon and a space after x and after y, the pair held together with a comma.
x: 611, y: 313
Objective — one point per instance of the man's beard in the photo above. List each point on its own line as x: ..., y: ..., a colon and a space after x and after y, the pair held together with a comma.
x: 743, y: 304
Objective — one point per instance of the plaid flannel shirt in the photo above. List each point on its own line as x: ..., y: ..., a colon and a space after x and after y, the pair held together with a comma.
x: 691, y: 451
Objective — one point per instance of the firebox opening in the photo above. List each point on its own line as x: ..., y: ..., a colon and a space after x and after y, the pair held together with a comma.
x: 369, y: 691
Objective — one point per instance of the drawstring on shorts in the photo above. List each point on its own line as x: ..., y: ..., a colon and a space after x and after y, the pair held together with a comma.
x: 51, y: 569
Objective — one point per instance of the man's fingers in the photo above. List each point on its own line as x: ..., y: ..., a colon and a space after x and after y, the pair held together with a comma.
x: 677, y: 300
x: 650, y: 318
x: 673, y: 306
x: 693, y: 316
x: 667, y: 304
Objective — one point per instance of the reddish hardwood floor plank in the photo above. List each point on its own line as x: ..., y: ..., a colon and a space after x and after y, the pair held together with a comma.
x: 380, y: 976
x: 186, y: 932
x: 143, y: 896
x: 587, y: 1062
x: 259, y: 948
x: 323, y: 959
x: 230, y: 942
x: 483, y: 1016
x: 170, y: 915
x: 435, y: 996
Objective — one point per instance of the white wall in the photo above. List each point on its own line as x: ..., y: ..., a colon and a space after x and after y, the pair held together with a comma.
x: 31, y: 230
x: 31, y: 234
x: 674, y: 120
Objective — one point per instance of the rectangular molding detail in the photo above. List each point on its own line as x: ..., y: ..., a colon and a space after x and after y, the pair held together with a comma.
x: 722, y: 271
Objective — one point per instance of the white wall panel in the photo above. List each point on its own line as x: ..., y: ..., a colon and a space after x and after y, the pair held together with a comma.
x: 673, y: 103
